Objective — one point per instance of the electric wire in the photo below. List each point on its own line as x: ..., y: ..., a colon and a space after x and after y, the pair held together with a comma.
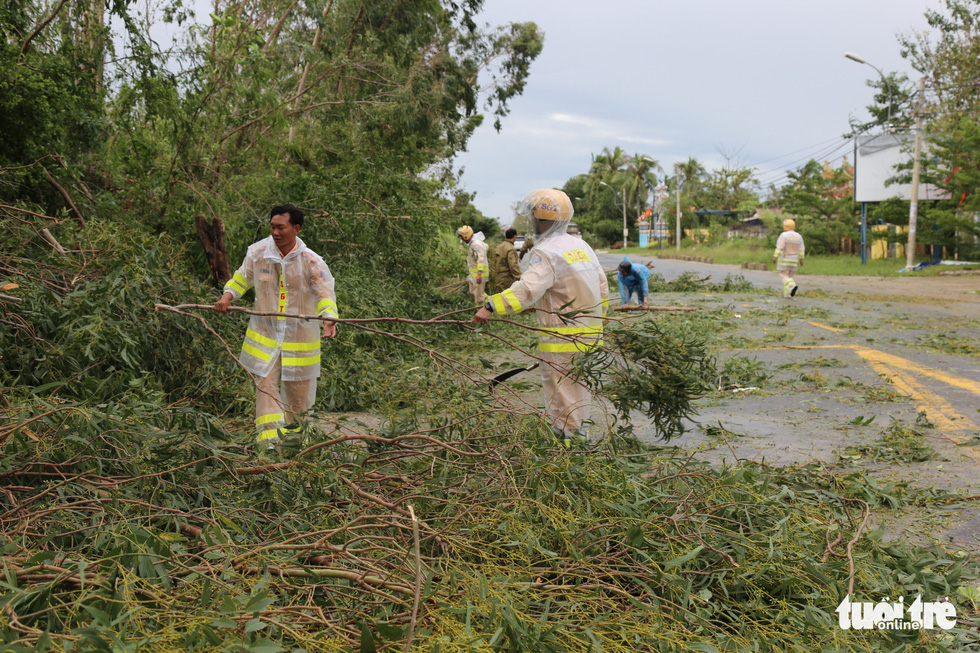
x: 774, y: 175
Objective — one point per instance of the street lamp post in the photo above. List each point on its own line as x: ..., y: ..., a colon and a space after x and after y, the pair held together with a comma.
x: 864, y: 206
x: 625, y: 229
x: 914, y: 206
x: 626, y: 232
x: 888, y: 88
x: 914, y: 198
x: 677, y: 188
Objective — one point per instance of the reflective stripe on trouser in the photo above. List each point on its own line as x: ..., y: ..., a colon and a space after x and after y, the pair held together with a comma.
x: 568, y: 402
x: 275, y: 407
x: 477, y: 290
x: 788, y: 281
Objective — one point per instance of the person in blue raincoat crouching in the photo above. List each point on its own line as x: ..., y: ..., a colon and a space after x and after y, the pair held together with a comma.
x: 633, y: 279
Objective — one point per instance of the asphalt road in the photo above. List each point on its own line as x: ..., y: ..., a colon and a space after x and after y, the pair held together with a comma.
x: 843, y: 366
x: 846, y: 361
x: 960, y: 289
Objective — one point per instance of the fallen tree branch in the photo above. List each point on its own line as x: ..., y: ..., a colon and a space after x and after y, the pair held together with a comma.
x: 630, y: 307
x: 418, y: 579
x: 66, y: 196
x: 20, y: 210
x: 53, y: 241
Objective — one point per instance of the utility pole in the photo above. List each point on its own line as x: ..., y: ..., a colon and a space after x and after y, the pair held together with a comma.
x: 677, y: 184
x: 914, y: 205
x: 625, y: 230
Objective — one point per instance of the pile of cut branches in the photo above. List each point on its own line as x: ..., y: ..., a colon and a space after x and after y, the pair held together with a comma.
x: 147, y: 528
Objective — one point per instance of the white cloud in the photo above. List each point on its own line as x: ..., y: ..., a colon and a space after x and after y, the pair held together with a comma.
x: 669, y: 80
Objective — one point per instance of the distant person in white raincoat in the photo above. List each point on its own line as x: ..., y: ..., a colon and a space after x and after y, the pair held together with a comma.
x: 478, y: 267
x: 289, y: 278
x: 788, y: 256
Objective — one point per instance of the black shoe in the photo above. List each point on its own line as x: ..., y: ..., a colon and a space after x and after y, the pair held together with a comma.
x: 792, y: 293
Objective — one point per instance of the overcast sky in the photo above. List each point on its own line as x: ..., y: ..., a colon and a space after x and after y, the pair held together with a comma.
x: 764, y: 80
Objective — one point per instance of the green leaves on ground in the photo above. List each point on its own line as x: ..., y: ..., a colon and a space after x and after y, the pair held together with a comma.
x: 151, y: 539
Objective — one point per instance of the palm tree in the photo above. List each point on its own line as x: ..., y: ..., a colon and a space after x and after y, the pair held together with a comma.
x: 607, y: 167
x: 640, y: 180
x: 693, y: 179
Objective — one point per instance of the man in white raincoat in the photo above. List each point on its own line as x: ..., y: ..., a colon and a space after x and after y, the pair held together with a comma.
x: 564, y: 278
x: 288, y: 278
x: 476, y: 261
x: 789, y: 256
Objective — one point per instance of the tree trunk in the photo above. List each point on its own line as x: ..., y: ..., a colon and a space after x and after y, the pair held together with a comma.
x: 212, y: 237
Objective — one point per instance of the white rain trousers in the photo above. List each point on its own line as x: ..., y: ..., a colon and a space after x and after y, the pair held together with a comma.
x: 564, y: 276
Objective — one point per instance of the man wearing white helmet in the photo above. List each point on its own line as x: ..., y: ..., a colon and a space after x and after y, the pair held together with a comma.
x: 789, y: 256
x: 568, y: 290
x: 476, y: 261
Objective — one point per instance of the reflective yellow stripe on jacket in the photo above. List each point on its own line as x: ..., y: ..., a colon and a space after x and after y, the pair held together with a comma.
x: 574, y: 339
x: 259, y: 345
x: 237, y: 284
x: 506, y: 303
x: 282, y: 294
x: 296, y: 354
x: 326, y: 307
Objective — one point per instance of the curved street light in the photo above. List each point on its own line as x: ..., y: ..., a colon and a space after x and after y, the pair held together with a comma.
x: 864, y: 208
x: 625, y: 230
x: 888, y: 88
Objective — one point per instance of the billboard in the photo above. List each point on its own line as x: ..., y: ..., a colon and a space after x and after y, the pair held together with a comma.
x: 875, y: 158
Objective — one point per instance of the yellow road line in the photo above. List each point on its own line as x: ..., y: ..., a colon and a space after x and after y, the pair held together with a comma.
x: 905, y: 364
x: 940, y: 412
x: 824, y: 326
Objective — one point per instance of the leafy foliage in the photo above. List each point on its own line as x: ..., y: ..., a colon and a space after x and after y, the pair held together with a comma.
x: 158, y: 541
x: 899, y: 443
x: 656, y: 367
x: 136, y: 515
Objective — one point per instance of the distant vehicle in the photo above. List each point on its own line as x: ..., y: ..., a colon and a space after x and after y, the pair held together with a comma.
x: 519, y: 243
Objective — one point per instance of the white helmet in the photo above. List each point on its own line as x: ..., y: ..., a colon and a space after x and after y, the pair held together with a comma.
x: 548, y: 210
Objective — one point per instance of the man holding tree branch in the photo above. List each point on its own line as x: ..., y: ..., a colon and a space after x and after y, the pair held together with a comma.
x: 289, y: 279
x: 568, y: 290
